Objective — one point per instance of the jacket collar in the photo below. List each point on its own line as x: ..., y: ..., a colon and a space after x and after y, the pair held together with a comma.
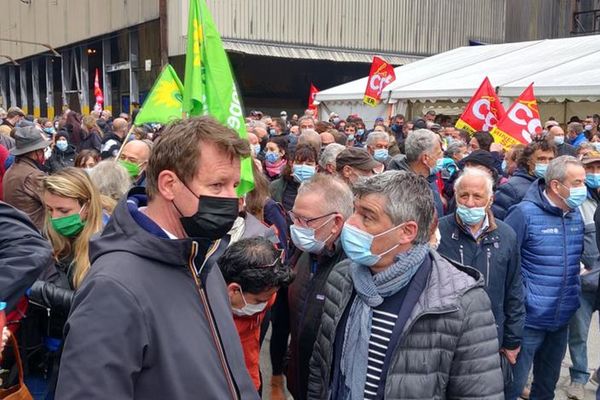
x: 492, y: 226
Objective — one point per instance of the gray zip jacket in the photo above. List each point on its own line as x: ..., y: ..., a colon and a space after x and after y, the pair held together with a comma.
x: 448, y: 348
x: 140, y: 329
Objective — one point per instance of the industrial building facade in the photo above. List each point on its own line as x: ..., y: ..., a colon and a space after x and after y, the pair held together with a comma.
x: 51, y: 49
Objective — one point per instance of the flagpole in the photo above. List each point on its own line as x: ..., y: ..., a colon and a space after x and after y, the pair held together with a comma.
x: 124, y: 142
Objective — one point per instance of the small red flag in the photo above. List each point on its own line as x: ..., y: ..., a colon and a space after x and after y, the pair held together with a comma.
x: 483, y: 111
x: 521, y: 122
x: 381, y: 75
x: 311, y: 97
x: 98, y: 93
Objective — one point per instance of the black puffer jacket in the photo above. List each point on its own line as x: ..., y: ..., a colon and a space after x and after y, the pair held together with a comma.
x: 61, y: 159
x: 306, y: 297
x: 448, y: 349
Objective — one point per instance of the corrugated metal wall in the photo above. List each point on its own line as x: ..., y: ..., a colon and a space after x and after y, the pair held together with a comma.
x: 419, y: 27
x: 537, y: 19
x: 61, y: 22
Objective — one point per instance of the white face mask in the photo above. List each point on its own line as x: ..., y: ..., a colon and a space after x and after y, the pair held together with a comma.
x: 248, y: 309
x: 47, y: 153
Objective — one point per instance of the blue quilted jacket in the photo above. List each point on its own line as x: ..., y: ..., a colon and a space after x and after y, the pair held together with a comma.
x: 511, y: 193
x: 551, y: 246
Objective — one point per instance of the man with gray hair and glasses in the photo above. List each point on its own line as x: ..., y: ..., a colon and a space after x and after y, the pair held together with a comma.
x: 322, y: 206
x: 400, y: 321
x: 550, y: 231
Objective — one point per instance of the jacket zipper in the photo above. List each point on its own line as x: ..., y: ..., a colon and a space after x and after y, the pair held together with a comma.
x: 565, y: 266
x: 209, y: 315
x: 487, y: 276
x: 462, y: 256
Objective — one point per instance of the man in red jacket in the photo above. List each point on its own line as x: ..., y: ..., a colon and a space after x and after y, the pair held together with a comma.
x: 253, y: 271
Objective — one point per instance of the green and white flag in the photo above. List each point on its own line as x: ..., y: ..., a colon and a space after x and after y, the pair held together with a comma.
x: 209, y: 85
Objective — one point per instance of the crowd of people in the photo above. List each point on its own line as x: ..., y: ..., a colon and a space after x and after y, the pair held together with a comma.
x: 408, y: 259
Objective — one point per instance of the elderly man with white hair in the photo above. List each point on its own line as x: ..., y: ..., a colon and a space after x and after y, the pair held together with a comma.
x: 377, y: 145
x: 471, y: 236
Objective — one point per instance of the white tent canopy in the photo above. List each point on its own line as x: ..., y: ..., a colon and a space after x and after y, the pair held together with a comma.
x: 561, y: 69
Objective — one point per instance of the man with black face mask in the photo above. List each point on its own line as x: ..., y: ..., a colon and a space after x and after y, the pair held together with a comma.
x: 154, y: 306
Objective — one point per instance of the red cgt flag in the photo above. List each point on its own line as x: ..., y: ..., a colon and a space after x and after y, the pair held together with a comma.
x: 521, y: 122
x: 381, y: 75
x: 98, y: 93
x: 311, y: 97
x: 483, y: 111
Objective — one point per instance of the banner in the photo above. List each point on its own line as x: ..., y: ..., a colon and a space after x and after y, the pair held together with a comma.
x: 98, y: 93
x: 483, y: 111
x: 521, y: 122
x: 164, y: 101
x: 209, y: 86
x: 311, y: 97
x: 381, y: 75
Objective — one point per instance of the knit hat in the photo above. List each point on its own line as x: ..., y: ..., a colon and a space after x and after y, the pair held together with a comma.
x: 481, y: 157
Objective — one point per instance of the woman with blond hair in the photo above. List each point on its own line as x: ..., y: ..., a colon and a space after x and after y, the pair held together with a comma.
x: 91, y: 134
x: 74, y: 215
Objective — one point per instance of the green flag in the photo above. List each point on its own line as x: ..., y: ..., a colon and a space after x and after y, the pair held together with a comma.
x: 209, y: 83
x: 163, y: 103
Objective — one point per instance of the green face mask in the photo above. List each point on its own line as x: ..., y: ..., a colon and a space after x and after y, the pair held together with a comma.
x: 68, y: 226
x: 132, y: 168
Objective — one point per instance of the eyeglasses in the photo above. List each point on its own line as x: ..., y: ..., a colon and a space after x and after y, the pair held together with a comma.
x: 297, y: 220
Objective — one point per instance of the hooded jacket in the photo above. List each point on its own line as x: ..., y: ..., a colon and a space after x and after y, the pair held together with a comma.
x: 551, y: 244
x: 140, y: 328
x: 511, y: 193
x: 399, y: 163
x: 448, y: 347
x: 61, y: 159
x: 496, y: 256
x: 24, y: 254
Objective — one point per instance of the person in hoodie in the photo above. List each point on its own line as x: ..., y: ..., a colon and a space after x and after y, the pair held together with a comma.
x: 532, y: 164
x: 550, y: 235
x: 423, y: 155
x: 253, y: 271
x: 63, y: 154
x: 152, y: 318
x: 323, y: 205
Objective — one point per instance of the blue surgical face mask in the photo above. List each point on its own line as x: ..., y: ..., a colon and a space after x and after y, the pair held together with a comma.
x: 62, y: 145
x: 272, y: 157
x: 558, y: 140
x: 540, y: 170
x: 381, y: 154
x: 256, y: 149
x: 439, y: 165
x: 303, y: 173
x: 470, y: 215
x: 304, y: 238
x: 357, y: 245
x: 50, y: 131
x: 592, y: 180
x: 350, y: 138
x: 596, y: 145
x: 504, y: 166
x: 360, y: 132
x: 272, y: 132
x: 577, y: 196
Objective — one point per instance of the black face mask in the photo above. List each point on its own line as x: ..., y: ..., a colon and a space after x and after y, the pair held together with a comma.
x: 214, y: 218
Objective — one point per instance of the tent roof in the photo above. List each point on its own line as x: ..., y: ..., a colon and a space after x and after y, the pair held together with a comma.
x: 559, y: 68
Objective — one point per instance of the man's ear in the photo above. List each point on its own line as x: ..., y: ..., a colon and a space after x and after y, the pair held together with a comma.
x: 168, y: 184
x: 408, y: 233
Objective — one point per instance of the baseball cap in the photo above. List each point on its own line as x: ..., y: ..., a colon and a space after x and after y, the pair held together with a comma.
x: 356, y: 158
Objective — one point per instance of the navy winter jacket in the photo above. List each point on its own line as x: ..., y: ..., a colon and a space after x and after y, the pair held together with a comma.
x: 511, y: 193
x: 551, y: 244
x: 496, y: 256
